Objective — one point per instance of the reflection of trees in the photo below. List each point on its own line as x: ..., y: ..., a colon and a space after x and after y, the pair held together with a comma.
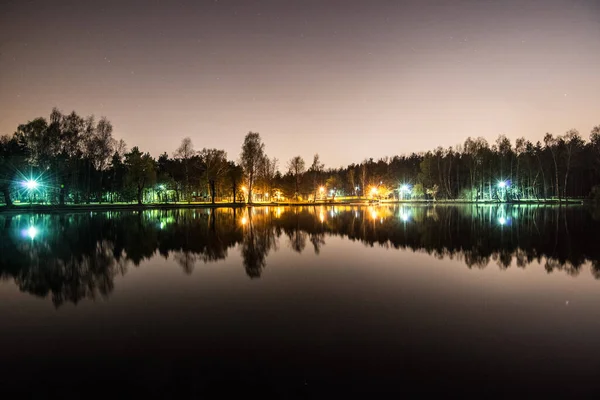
x: 76, y: 256
x: 558, y: 237
x: 259, y: 239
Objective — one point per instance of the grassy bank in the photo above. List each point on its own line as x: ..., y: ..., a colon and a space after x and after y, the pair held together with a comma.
x: 25, y: 208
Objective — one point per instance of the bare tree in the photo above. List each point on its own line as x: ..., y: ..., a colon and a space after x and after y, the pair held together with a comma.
x: 216, y: 168
x: 104, y: 145
x: 184, y: 153
x: 552, y: 144
x: 572, y: 143
x: 296, y: 167
x: 316, y: 168
x: 253, y: 150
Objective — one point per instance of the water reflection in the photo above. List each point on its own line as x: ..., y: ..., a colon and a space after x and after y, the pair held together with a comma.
x: 70, y: 257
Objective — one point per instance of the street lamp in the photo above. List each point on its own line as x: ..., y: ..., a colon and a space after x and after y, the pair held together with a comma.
x: 30, y: 184
x: 404, y: 188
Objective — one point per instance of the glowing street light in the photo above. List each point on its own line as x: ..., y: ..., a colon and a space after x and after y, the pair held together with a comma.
x: 502, y: 184
x: 404, y: 188
x: 30, y: 184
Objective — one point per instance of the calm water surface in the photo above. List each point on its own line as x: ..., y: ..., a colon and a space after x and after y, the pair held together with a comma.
x: 305, y: 302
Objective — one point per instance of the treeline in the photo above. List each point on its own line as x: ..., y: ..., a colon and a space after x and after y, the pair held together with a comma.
x: 74, y: 159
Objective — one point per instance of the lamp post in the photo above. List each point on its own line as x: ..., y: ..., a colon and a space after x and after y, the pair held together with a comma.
x: 503, y: 186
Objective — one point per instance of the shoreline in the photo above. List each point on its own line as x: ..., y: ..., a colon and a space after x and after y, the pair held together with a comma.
x: 44, y: 208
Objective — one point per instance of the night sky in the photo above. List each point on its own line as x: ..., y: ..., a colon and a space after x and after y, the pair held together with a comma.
x: 348, y: 79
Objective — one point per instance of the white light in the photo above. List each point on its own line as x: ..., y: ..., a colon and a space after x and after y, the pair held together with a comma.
x: 502, y: 184
x: 502, y: 221
x: 404, y: 217
x: 32, y: 232
x: 30, y: 184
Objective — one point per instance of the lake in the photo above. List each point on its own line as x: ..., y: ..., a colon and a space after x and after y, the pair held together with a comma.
x: 302, y: 302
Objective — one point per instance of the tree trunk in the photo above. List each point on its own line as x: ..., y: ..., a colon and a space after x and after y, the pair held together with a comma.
x: 234, y: 191
x: 7, y: 199
x: 101, y: 179
x: 139, y: 194
x: 212, y: 191
x: 61, y: 196
x: 556, y: 176
x: 567, y: 175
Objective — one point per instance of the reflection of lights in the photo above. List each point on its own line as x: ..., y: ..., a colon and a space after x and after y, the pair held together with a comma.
x: 374, y: 214
x: 244, y: 221
x: 502, y: 221
x: 30, y: 184
x: 31, y: 232
x: 404, y: 217
x: 322, y: 216
x: 162, y: 225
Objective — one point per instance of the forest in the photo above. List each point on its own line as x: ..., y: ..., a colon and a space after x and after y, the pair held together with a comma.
x: 70, y: 159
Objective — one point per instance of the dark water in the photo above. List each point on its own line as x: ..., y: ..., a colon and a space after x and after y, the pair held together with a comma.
x: 302, y: 302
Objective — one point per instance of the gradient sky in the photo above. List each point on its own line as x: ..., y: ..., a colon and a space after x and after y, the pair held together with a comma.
x: 346, y: 78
